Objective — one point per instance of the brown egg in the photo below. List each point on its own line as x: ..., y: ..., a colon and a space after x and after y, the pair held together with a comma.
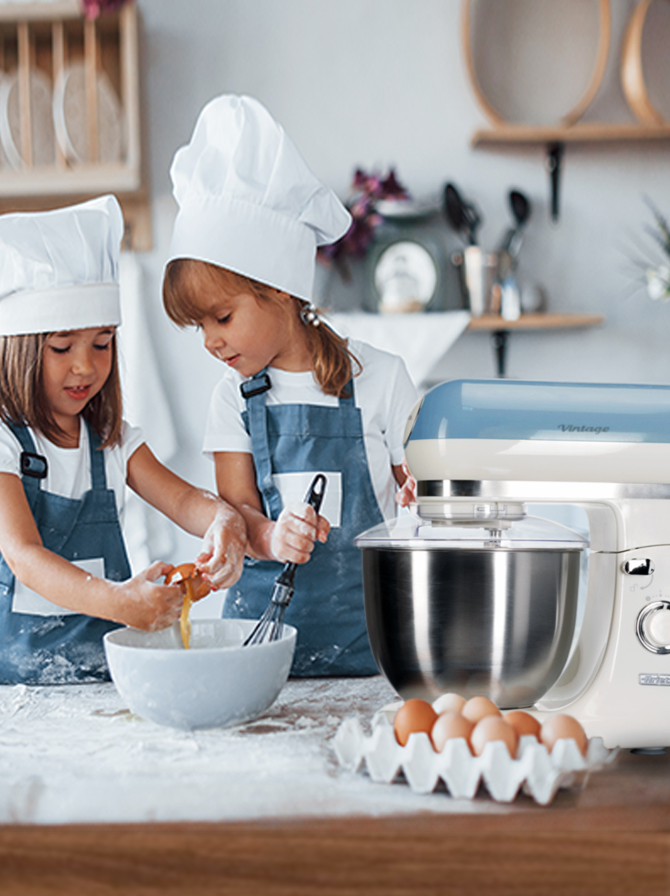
x: 448, y: 703
x: 562, y: 727
x: 523, y: 723
x: 478, y: 707
x: 448, y: 726
x: 413, y: 715
x: 185, y: 572
x: 492, y: 728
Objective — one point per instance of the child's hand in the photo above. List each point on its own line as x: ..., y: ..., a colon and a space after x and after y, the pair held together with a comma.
x: 295, y: 532
x: 143, y: 603
x: 406, y: 493
x: 222, y: 557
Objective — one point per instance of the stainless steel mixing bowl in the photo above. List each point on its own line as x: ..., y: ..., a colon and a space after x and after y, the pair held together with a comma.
x: 473, y: 616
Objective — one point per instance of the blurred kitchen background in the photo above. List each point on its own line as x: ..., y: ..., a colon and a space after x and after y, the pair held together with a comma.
x: 383, y: 85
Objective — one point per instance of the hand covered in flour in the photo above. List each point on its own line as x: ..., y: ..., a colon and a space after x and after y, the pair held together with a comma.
x: 406, y: 493
x: 223, y: 547
x: 295, y: 532
x: 142, y: 603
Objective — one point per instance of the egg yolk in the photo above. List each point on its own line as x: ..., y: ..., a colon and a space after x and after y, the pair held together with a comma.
x: 184, y: 619
x: 194, y: 588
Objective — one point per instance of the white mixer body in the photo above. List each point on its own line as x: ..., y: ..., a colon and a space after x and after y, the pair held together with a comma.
x: 480, y: 450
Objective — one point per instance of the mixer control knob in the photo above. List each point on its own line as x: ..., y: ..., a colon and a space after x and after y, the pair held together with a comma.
x: 653, y: 627
x: 638, y: 566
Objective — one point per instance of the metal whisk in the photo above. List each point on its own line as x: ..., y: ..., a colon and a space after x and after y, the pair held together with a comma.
x: 270, y: 627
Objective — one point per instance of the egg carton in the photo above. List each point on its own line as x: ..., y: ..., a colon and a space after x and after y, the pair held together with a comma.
x: 534, y: 771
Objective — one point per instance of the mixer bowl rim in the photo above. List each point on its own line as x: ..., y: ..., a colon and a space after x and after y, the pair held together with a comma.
x: 485, y: 548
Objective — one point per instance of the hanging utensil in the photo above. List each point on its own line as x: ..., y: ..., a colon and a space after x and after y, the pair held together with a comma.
x: 520, y: 207
x: 461, y: 215
x: 510, y: 246
x: 270, y: 626
x: 453, y: 208
x: 473, y: 220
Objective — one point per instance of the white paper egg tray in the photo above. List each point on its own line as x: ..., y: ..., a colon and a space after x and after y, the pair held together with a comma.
x: 534, y: 771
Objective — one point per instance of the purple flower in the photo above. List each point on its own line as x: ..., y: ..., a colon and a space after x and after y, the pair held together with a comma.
x: 392, y: 188
x: 93, y: 8
x: 367, y: 190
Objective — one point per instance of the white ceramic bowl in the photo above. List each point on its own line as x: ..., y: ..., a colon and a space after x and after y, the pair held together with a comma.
x: 218, y: 682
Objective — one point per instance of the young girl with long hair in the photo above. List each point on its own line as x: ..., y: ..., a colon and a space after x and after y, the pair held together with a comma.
x: 296, y: 399
x: 66, y: 455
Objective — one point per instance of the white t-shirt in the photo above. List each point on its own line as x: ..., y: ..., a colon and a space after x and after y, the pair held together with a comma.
x: 383, y: 391
x: 68, y: 475
x: 69, y: 469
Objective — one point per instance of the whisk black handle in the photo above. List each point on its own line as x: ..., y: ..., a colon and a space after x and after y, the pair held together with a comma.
x: 314, y: 498
x: 316, y: 491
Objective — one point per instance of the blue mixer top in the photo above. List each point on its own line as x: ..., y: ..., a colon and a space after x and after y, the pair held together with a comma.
x: 523, y: 409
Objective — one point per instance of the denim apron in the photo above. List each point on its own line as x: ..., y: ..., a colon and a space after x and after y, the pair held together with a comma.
x: 327, y: 606
x: 62, y: 648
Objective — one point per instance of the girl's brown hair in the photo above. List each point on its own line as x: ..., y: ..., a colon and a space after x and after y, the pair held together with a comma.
x: 333, y: 364
x: 22, y: 399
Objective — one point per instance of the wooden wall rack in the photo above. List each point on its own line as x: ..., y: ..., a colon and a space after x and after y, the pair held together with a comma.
x: 649, y: 126
x: 52, y: 39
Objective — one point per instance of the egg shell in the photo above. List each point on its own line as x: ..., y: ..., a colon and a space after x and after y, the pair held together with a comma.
x: 448, y: 726
x: 414, y: 715
x: 448, y: 703
x: 523, y: 723
x: 182, y: 572
x: 492, y: 728
x: 563, y: 727
x: 477, y: 708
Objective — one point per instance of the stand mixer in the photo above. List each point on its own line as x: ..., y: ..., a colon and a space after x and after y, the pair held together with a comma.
x: 470, y: 594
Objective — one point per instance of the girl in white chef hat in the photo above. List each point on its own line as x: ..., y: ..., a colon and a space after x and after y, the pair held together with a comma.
x: 296, y: 399
x: 66, y: 456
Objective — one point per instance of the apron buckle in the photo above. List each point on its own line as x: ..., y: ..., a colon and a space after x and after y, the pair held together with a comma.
x: 34, y: 465
x: 255, y: 386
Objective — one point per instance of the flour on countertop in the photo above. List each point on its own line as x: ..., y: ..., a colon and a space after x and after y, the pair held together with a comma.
x: 75, y: 754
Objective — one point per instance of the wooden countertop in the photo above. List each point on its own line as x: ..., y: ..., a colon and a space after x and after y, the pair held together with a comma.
x: 265, y: 809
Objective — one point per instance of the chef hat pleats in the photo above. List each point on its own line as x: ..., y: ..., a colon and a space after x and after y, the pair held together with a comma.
x: 59, y: 270
x: 248, y: 201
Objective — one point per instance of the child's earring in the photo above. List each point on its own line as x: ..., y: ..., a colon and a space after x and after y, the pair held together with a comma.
x: 309, y: 315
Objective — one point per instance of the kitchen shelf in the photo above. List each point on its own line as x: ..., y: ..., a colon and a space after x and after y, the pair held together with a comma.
x: 535, y: 322
x: 52, y: 39
x: 555, y: 138
x: 584, y: 132
x: 500, y: 328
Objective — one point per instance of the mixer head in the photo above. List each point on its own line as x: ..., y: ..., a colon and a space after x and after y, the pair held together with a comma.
x: 480, y: 449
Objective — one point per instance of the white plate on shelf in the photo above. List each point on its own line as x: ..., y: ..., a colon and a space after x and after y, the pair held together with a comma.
x: 70, y: 117
x: 43, y: 138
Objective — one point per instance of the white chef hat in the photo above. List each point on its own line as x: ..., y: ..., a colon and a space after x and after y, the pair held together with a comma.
x: 59, y: 270
x: 248, y: 201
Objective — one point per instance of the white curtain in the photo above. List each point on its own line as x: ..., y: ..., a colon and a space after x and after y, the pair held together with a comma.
x: 149, y: 535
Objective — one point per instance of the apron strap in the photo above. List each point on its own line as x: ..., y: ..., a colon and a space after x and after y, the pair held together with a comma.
x: 348, y: 399
x: 97, y: 456
x: 31, y: 483
x: 253, y: 392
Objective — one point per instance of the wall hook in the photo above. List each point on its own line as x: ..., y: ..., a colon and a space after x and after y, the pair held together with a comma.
x: 554, y: 160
